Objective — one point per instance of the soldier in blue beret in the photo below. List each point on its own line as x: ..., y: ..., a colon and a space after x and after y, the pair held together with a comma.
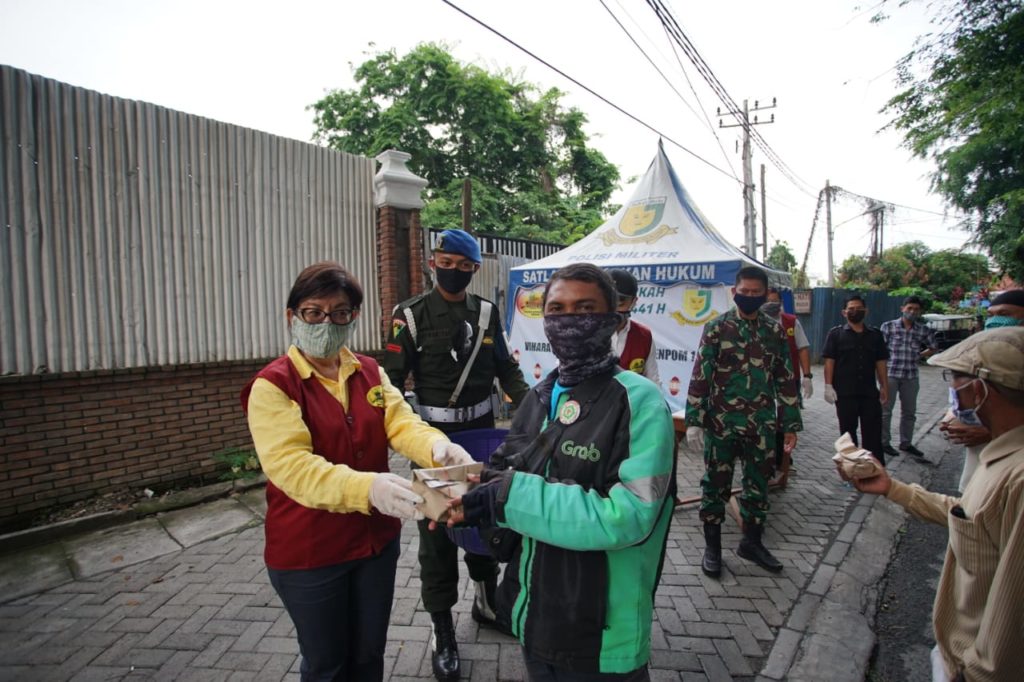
x: 449, y: 338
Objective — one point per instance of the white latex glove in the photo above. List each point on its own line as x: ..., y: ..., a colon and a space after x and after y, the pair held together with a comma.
x: 449, y: 454
x: 695, y: 439
x: 392, y: 495
x: 807, y: 387
x: 830, y: 394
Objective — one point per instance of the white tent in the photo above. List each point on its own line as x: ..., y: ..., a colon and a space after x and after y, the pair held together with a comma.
x: 684, y: 266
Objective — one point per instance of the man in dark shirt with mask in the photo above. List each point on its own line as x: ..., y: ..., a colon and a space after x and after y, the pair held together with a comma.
x: 437, y: 336
x: 741, y: 392
x: 855, y: 357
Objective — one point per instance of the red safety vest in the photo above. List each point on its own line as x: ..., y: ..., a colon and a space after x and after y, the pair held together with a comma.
x: 637, y: 349
x: 789, y: 327
x: 298, y: 537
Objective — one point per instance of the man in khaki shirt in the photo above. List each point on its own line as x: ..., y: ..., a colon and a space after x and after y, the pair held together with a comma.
x: 979, y: 607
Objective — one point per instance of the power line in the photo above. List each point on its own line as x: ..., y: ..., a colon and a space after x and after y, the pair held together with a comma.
x: 680, y: 37
x: 703, y: 113
x: 588, y: 89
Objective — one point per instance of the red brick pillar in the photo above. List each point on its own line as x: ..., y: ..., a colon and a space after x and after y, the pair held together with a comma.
x: 400, y: 260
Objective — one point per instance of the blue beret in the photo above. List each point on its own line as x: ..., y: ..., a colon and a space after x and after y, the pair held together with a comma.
x: 459, y: 243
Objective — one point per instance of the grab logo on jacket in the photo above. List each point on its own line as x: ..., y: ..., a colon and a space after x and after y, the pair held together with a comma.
x: 585, y: 452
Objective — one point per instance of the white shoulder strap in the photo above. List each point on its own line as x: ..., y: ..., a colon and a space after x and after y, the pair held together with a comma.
x: 482, y: 323
x: 410, y: 322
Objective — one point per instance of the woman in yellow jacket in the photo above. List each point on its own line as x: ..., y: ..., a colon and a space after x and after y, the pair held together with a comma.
x: 322, y: 418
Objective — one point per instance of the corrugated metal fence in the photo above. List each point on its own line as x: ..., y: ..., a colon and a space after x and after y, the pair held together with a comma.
x: 826, y: 305
x: 135, y: 235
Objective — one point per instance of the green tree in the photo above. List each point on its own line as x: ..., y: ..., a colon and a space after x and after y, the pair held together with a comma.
x: 964, y: 110
x: 931, y: 274
x: 854, y: 272
x: 781, y: 257
x: 532, y: 171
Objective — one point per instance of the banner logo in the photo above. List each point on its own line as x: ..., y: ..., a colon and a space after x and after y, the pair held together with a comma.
x: 530, y: 302
x: 639, y: 224
x: 696, y: 308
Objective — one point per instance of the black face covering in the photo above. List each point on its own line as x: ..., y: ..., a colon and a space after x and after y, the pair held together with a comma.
x: 855, y: 316
x: 749, y: 304
x: 453, y: 280
x: 582, y: 343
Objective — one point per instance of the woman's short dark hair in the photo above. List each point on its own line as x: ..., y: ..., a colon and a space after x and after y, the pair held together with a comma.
x: 326, y: 278
x: 586, y: 272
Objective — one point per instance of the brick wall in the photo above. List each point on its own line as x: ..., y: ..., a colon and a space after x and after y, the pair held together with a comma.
x: 68, y: 437
x: 399, y: 259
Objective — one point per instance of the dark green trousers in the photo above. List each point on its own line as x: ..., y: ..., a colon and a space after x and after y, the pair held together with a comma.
x: 439, y: 556
x: 720, y: 454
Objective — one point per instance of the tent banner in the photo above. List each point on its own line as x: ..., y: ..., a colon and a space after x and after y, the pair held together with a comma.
x: 676, y: 315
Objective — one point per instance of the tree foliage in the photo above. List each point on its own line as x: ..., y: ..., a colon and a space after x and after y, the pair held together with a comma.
x: 533, y: 173
x: 781, y: 257
x: 933, y: 274
x: 964, y: 112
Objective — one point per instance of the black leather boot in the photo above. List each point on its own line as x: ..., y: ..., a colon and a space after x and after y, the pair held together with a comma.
x: 712, y: 562
x: 485, y: 611
x: 445, y: 657
x: 752, y: 549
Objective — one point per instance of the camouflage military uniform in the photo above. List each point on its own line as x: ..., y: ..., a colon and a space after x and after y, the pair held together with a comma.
x: 741, y: 392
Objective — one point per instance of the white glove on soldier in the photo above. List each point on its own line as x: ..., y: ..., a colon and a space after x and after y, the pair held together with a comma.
x: 830, y: 394
x: 695, y: 439
x: 392, y: 495
x: 807, y: 387
x: 449, y: 454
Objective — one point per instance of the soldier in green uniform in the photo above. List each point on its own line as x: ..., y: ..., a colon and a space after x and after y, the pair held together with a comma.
x: 454, y: 345
x: 741, y: 392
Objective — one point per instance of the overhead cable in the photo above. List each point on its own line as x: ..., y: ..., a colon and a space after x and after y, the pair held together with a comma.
x: 590, y: 90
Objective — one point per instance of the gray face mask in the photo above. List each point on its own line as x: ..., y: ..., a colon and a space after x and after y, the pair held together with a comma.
x: 324, y: 340
x: 772, y: 308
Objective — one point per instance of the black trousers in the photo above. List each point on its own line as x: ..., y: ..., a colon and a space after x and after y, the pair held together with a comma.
x: 538, y: 671
x: 868, y: 412
x: 341, y: 615
x: 439, y: 556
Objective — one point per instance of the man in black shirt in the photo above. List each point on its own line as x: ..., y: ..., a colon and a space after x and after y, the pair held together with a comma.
x: 855, y: 358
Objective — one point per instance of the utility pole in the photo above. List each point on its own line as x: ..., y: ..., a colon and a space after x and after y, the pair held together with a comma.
x: 467, y: 205
x: 764, y: 222
x: 749, y: 219
x: 828, y: 232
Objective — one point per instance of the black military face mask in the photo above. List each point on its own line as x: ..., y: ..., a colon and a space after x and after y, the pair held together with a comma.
x: 453, y: 280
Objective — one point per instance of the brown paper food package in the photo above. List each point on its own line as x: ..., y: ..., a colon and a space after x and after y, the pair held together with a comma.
x: 855, y: 462
x: 437, y: 486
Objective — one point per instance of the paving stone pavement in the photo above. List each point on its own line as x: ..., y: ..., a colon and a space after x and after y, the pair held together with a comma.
x: 185, y: 596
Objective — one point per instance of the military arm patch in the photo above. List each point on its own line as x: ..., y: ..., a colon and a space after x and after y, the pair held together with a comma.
x: 396, y: 327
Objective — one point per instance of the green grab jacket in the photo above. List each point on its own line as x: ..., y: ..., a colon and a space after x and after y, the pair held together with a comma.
x: 580, y: 587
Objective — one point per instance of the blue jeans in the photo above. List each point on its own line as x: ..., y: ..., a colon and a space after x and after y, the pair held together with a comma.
x: 907, y: 390
x: 341, y: 615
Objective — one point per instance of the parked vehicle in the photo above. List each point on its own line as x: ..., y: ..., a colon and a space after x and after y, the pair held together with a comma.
x: 951, y: 329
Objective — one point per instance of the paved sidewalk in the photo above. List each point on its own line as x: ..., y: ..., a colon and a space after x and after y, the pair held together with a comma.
x: 184, y: 595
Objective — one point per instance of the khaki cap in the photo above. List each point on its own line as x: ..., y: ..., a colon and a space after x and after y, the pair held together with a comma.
x: 995, y: 355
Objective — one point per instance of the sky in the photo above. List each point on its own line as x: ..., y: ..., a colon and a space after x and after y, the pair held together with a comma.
x: 259, y: 64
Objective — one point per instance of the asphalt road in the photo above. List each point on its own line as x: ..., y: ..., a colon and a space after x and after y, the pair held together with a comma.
x: 903, y: 625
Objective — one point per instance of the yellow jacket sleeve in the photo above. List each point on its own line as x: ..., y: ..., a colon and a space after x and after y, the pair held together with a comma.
x: 285, y: 448
x: 408, y: 435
